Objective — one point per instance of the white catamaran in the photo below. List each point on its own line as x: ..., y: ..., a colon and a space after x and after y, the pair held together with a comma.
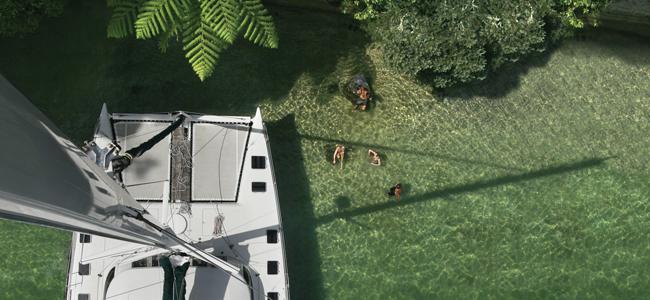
x: 162, y: 206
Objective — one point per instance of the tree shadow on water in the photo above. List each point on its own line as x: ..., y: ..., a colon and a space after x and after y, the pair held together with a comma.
x: 598, y: 42
x: 298, y: 220
x: 501, y: 81
x: 630, y: 47
x: 464, y: 188
x: 311, y: 45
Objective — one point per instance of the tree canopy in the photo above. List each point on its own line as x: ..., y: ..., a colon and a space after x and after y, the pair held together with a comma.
x: 205, y: 27
x: 18, y: 17
x: 450, y: 42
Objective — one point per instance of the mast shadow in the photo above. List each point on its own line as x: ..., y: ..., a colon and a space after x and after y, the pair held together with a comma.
x: 408, y: 151
x: 343, y: 203
x: 459, y: 189
x: 298, y: 220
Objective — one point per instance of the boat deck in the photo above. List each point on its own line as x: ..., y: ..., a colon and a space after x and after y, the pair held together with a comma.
x: 221, y: 198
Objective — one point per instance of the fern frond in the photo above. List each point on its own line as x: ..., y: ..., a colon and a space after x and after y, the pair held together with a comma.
x: 113, y: 3
x: 165, y: 37
x: 224, y: 17
x: 124, y: 13
x: 257, y: 24
x: 201, y: 43
x: 156, y: 16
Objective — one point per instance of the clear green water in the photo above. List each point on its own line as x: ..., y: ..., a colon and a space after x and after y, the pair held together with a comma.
x: 531, y: 185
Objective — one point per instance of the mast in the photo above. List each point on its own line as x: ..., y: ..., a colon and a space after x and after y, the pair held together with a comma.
x: 46, y: 180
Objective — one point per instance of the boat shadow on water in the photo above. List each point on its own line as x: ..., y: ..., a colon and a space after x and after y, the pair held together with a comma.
x: 298, y: 220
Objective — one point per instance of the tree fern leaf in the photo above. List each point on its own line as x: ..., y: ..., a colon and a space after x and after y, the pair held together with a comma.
x: 166, y: 36
x: 123, y: 17
x: 206, y: 27
x: 202, y: 45
x: 224, y: 16
x: 258, y: 23
x: 156, y: 16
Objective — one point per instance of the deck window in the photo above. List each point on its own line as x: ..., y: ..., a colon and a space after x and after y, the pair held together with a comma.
x: 259, y: 186
x: 258, y: 162
x: 84, y: 238
x: 84, y: 269
x: 139, y: 263
x: 272, y: 267
x: 272, y: 236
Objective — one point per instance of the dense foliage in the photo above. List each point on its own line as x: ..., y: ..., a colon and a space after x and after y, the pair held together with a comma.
x: 366, y: 9
x: 21, y: 16
x: 448, y: 42
x: 205, y: 27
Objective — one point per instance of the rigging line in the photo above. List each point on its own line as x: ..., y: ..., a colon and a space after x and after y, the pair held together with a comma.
x: 108, y: 265
x: 132, y: 136
x: 148, y: 204
x: 200, y: 253
x: 241, y: 170
x: 219, y: 181
x: 210, y: 140
x: 145, y: 183
x: 123, y: 253
x: 225, y: 232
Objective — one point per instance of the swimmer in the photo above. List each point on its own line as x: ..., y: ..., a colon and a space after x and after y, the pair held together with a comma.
x: 339, y: 153
x: 375, y: 159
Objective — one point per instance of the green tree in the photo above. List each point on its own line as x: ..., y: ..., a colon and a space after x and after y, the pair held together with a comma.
x: 366, y: 9
x: 205, y: 27
x: 18, y: 17
x: 576, y: 12
x: 450, y: 42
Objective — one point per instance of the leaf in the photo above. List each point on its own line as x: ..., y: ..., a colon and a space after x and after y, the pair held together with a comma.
x: 224, y: 17
x: 257, y: 24
x: 124, y: 13
x: 166, y: 36
x: 201, y: 43
x: 156, y: 16
x: 206, y: 27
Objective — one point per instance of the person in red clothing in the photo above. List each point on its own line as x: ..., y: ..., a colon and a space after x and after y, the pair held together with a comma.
x: 396, y: 191
x: 364, y: 95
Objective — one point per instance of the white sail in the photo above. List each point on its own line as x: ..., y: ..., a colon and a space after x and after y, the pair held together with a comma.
x: 45, y: 179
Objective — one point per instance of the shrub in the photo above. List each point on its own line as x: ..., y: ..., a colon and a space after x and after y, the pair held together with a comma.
x: 366, y: 9
x: 18, y: 17
x: 450, y: 42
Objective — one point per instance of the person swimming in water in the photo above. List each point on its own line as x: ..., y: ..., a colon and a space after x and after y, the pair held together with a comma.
x: 339, y: 154
x: 375, y: 159
x: 364, y: 96
x: 396, y: 191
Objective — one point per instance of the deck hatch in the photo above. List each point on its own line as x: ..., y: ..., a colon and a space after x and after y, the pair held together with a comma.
x: 272, y: 236
x: 258, y: 186
x: 272, y: 295
x: 83, y: 297
x: 272, y: 267
x: 84, y: 238
x: 84, y: 269
x: 258, y: 162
